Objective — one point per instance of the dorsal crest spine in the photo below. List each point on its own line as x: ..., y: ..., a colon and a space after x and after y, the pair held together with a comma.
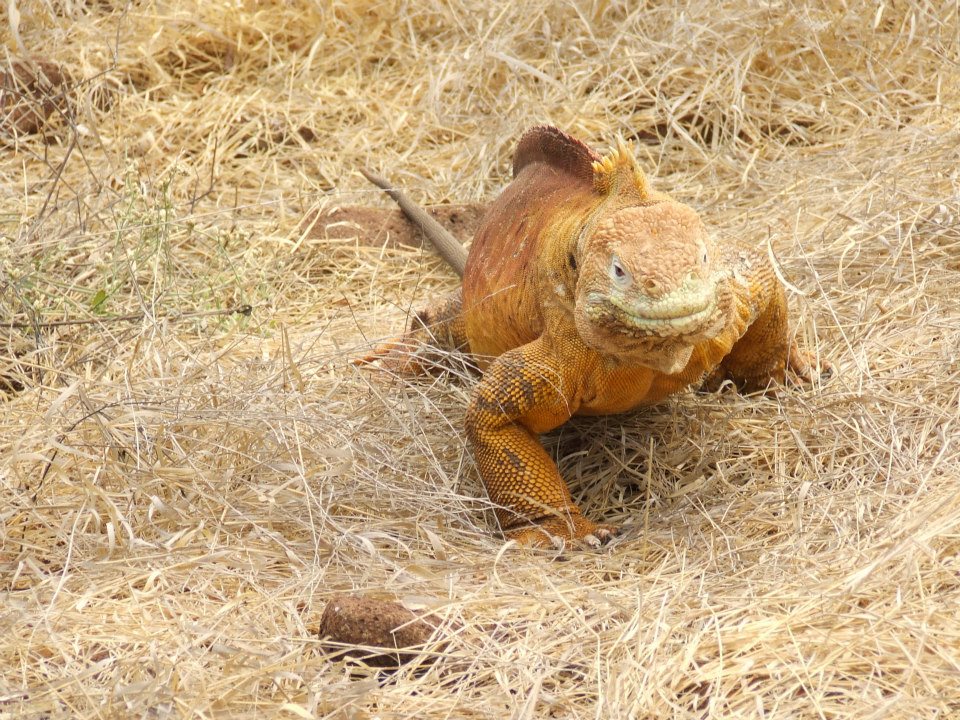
x: 618, y: 171
x: 550, y: 145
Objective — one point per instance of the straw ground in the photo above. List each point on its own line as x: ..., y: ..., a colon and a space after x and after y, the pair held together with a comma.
x: 191, y: 468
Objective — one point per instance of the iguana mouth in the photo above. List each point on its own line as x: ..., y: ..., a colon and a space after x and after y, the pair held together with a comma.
x: 685, y: 311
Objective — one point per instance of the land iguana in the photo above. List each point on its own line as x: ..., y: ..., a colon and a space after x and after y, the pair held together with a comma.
x: 586, y: 292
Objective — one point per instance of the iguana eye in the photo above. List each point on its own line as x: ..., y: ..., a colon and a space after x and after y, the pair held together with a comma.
x: 704, y: 255
x: 619, y: 273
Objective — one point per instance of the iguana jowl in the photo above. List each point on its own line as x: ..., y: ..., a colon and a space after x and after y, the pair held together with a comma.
x: 585, y: 292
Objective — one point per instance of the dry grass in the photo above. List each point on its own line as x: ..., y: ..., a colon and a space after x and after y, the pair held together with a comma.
x: 181, y: 495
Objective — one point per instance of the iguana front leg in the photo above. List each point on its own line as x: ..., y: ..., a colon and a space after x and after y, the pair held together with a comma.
x: 523, y: 393
x: 765, y: 351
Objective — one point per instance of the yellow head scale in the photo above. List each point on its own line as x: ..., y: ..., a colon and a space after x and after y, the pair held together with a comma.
x: 618, y: 171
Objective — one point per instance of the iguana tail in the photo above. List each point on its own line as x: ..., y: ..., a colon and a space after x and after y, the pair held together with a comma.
x: 447, y: 245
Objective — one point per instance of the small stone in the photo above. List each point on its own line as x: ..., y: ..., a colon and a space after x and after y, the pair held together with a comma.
x: 382, y: 633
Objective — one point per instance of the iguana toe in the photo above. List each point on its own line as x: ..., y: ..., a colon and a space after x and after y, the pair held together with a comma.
x: 804, y: 364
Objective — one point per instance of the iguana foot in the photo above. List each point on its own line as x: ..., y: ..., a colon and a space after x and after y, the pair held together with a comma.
x: 434, y: 332
x: 804, y: 365
x: 398, y: 356
x: 557, y: 532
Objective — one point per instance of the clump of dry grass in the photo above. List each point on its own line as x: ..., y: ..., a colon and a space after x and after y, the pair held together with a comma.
x: 183, y: 489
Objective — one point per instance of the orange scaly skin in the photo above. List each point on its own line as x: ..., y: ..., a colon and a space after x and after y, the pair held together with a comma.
x: 586, y: 293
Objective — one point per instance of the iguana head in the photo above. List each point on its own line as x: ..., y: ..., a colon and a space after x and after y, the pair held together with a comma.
x: 649, y: 285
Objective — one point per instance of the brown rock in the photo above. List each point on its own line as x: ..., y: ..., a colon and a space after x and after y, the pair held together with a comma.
x: 382, y: 633
x: 378, y: 226
x: 30, y: 92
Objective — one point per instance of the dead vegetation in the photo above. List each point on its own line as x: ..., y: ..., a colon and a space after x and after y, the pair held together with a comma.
x: 184, y: 487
